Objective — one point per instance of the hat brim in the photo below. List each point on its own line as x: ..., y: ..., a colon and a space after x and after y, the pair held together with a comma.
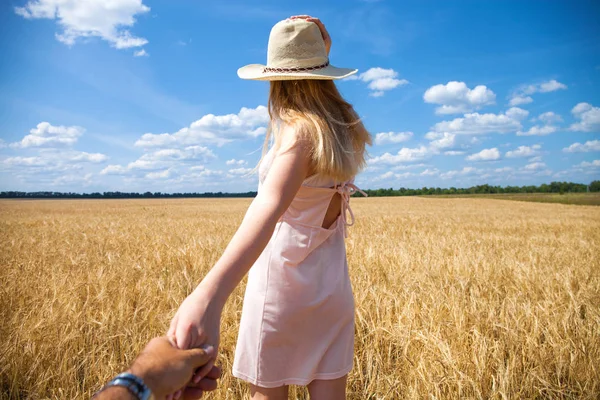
x: 255, y: 72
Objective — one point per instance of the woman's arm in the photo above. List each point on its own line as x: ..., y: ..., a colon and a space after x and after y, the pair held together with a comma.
x: 289, y: 169
x: 197, y: 320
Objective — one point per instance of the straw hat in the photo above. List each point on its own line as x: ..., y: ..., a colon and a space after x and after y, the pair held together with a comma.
x: 296, y: 51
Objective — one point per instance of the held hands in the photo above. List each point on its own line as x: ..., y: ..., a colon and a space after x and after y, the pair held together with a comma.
x: 166, y: 369
x: 324, y: 33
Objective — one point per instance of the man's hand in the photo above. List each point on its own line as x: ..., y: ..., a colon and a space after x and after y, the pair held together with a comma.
x: 165, y: 369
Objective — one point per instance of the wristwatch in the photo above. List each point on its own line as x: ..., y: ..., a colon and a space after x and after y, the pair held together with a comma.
x: 133, y: 383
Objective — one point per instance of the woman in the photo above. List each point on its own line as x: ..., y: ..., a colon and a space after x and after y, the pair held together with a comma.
x: 297, y: 324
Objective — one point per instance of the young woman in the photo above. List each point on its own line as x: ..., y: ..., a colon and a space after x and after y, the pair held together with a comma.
x: 297, y: 324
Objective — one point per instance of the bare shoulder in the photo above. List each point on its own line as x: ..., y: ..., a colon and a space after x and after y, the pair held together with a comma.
x: 294, y: 138
x: 289, y: 167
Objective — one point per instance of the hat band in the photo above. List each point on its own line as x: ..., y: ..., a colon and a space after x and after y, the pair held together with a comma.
x: 298, y: 69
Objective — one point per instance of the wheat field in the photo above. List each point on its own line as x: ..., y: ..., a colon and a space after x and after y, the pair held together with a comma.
x: 456, y: 298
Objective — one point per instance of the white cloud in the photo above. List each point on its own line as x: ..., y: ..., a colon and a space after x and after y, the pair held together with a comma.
x: 588, y: 116
x: 403, y: 167
x: 379, y: 80
x: 522, y: 94
x: 166, y: 174
x: 140, y: 53
x: 454, y: 153
x: 392, y: 137
x: 209, y: 173
x: 391, y: 175
x: 445, y: 141
x: 404, y: 155
x: 524, y: 151
x: 537, y: 171
x: 164, y: 158
x: 538, y: 130
x: 185, y: 154
x: 517, y: 113
x: 520, y: 100
x: 462, y: 172
x: 114, y: 170
x: 534, y: 166
x: 485, y: 155
x: 178, y: 159
x: 439, y: 141
x: 593, y: 164
x: 504, y: 170
x: 590, y: 145
x: 541, y: 130
x: 434, y: 135
x: 535, y: 159
x: 455, y: 97
x: 26, y: 161
x: 430, y: 172
x: 47, y: 135
x: 544, y: 87
x: 79, y: 180
x: 549, y: 117
x: 171, y: 178
x: 386, y: 175
x: 479, y: 124
x: 551, y: 86
x: 53, y: 160
x: 82, y: 156
x: 580, y: 108
x: 49, y: 158
x: 104, y: 19
x: 240, y: 171
x: 233, y: 161
x: 214, y: 129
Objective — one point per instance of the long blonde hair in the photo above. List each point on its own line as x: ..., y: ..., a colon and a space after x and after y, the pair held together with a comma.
x: 319, y: 114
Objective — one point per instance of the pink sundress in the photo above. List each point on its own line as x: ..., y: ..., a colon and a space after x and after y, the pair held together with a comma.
x: 297, y: 321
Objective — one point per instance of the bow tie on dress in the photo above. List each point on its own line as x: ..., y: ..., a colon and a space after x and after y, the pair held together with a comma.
x: 346, y: 190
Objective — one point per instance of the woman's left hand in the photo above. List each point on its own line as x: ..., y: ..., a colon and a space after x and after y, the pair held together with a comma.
x: 324, y: 33
x: 197, y: 323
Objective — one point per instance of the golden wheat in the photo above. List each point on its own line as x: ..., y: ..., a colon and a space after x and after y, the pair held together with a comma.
x: 456, y: 298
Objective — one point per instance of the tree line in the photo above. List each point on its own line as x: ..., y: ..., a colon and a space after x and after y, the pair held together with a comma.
x: 553, y: 187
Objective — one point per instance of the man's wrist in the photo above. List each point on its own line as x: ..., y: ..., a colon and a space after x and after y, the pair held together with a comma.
x: 114, y: 393
x: 144, y: 375
x: 125, y: 386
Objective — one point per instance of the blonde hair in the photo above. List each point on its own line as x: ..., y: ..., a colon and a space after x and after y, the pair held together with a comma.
x: 319, y: 114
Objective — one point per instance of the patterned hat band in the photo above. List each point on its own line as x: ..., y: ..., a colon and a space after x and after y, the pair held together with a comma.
x: 298, y: 69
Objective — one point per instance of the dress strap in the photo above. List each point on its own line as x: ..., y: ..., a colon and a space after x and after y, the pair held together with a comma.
x: 346, y: 190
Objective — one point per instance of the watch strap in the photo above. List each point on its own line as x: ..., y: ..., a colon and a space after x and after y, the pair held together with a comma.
x: 134, y: 384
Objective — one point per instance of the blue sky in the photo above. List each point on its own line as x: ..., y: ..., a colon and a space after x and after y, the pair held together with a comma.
x: 143, y: 95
